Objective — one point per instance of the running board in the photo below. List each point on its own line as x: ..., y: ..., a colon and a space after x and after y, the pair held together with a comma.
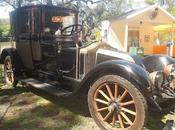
x: 46, y: 87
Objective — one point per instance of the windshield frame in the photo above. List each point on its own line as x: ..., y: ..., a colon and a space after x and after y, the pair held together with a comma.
x: 62, y: 13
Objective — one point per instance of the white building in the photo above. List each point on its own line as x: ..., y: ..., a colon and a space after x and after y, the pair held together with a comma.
x: 139, y: 26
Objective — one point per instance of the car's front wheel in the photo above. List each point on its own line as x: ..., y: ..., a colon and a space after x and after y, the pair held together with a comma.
x: 116, y: 104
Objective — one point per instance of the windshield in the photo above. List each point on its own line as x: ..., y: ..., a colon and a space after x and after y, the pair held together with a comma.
x: 56, y: 20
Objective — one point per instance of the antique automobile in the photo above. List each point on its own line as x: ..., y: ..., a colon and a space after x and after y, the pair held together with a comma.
x: 53, y: 47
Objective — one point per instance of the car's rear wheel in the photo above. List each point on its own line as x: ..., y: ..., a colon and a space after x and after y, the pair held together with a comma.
x: 8, y: 72
x: 116, y: 104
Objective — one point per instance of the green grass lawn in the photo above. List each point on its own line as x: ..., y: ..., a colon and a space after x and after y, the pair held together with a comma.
x: 30, y: 112
x: 4, y: 29
x: 21, y: 109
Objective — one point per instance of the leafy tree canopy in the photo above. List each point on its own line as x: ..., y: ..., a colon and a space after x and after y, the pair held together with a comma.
x: 105, y: 8
x: 101, y: 9
x: 168, y: 4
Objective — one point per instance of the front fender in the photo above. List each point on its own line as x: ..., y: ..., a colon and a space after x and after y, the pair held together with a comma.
x: 157, y: 62
x: 130, y: 71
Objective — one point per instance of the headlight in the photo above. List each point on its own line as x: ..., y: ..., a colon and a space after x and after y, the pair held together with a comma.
x: 157, y: 78
x: 169, y: 69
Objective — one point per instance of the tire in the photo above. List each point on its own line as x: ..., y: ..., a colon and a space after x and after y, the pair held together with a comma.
x: 116, y: 104
x: 9, y: 76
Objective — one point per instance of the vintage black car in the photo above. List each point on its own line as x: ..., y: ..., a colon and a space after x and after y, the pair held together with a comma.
x: 52, y: 48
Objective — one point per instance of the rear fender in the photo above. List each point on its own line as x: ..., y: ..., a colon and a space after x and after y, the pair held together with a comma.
x: 5, y: 52
x: 16, y: 61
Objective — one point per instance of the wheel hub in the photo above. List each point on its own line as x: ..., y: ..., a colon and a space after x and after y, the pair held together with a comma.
x: 114, y: 106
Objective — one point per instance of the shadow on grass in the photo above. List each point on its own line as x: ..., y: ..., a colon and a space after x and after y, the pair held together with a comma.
x: 39, y: 118
x: 63, y: 114
x: 156, y: 120
x: 76, y: 104
x: 13, y: 91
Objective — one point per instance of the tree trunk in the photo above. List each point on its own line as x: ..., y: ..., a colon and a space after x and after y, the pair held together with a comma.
x: 19, y: 2
x: 49, y: 2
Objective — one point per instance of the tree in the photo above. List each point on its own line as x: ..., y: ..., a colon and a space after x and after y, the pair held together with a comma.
x: 101, y: 9
x: 105, y: 8
x: 112, y: 8
x: 150, y: 2
x: 168, y: 4
x: 8, y: 2
x: 1, y: 32
x: 18, y: 3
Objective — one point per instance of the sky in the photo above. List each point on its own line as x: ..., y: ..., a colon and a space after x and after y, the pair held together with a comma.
x: 4, y: 11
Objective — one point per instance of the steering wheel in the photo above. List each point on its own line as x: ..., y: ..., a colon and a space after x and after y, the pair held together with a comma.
x: 71, y: 30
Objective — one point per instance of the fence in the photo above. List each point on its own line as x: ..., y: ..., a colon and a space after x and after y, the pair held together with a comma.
x: 5, y: 38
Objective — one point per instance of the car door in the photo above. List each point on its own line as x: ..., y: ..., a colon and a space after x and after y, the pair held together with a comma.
x: 48, y: 44
x: 35, y: 34
x: 23, y: 41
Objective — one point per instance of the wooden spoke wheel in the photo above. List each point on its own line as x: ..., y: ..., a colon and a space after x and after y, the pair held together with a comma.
x: 116, y: 104
x: 8, y: 71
